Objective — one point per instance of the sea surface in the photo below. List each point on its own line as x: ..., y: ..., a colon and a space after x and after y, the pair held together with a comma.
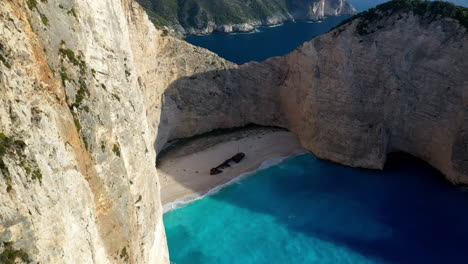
x: 306, y: 210
x: 265, y: 42
x: 268, y: 42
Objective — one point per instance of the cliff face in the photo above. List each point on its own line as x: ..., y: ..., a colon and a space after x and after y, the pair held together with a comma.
x: 80, y: 85
x: 314, y: 10
x: 397, y: 83
x: 70, y: 94
x: 90, y: 91
x: 207, y: 16
x: 366, y: 89
x: 398, y: 89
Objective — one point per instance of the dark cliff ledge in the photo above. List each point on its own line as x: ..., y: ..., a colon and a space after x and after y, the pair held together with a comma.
x: 431, y: 10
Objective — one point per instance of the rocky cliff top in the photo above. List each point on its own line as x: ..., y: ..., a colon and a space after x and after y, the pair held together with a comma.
x: 429, y: 10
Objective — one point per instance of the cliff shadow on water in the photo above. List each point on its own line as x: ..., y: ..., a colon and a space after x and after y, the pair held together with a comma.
x: 395, y: 215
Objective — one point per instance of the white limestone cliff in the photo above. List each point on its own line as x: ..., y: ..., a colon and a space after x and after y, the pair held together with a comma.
x: 79, y: 184
x: 90, y: 91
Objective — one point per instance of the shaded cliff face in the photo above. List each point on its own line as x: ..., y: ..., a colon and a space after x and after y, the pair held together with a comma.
x: 398, y: 89
x: 207, y: 16
x: 351, y: 96
x: 395, y: 83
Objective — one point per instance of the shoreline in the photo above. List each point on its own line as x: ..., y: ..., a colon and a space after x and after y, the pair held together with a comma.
x: 257, y: 28
x: 186, y: 178
x: 182, y: 201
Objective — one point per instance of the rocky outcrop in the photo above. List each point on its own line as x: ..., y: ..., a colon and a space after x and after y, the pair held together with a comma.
x: 80, y: 86
x: 366, y: 89
x: 315, y: 10
x: 82, y: 188
x: 205, y: 17
x: 91, y: 91
x: 391, y: 87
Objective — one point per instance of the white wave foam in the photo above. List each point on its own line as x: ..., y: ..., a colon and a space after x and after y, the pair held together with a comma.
x: 197, y: 196
x: 273, y: 26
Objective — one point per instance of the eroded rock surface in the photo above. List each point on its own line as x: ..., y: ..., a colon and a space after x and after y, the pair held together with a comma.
x: 80, y: 86
x: 90, y: 91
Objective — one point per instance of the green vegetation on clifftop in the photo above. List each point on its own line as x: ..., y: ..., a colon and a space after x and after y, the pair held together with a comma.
x: 431, y: 9
x: 12, y: 256
x: 198, y: 14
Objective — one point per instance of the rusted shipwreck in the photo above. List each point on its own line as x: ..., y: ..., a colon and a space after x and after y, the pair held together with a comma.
x: 236, y: 158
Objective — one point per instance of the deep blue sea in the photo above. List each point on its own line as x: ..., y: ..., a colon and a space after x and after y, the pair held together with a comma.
x: 307, y: 210
x: 268, y: 42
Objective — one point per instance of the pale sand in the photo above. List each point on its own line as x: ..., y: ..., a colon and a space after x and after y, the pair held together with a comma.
x: 188, y: 176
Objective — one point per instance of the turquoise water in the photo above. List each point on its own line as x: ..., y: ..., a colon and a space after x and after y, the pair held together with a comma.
x: 310, y: 211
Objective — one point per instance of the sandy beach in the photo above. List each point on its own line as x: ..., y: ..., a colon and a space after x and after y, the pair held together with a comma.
x: 185, y: 172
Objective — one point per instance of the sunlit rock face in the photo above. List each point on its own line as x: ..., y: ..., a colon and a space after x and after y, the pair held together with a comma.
x: 81, y: 94
x: 78, y: 181
x: 90, y: 91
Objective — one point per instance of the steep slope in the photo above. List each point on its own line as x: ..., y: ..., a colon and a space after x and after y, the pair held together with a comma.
x: 81, y: 189
x: 80, y: 86
x: 397, y: 82
x: 206, y: 16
